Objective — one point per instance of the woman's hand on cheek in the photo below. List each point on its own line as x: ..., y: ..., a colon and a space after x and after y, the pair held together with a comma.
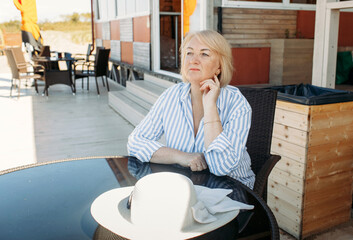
x: 210, y: 89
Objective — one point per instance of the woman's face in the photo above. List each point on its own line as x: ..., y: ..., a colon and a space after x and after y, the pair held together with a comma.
x: 200, y: 62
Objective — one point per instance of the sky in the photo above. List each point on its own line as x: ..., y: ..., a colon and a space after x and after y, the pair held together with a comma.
x: 50, y: 10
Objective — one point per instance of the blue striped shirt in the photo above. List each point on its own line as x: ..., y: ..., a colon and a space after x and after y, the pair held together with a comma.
x: 172, y: 116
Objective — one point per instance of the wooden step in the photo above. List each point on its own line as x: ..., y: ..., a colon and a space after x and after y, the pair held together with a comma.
x: 129, y: 106
x: 158, y: 81
x: 145, y: 90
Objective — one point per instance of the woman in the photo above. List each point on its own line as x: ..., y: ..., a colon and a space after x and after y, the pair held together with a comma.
x: 205, y: 121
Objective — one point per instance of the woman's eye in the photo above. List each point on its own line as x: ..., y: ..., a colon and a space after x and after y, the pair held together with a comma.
x: 205, y: 54
x: 188, y: 53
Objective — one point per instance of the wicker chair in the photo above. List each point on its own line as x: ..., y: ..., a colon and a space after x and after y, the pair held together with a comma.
x: 98, y: 68
x: 20, y: 69
x: 88, y: 57
x: 263, y: 104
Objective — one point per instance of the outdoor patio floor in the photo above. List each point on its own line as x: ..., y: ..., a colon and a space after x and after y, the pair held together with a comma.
x: 35, y: 128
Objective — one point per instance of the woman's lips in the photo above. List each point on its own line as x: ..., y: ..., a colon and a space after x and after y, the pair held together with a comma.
x: 194, y: 69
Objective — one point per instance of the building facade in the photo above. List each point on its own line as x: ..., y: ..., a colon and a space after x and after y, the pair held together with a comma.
x: 272, y: 41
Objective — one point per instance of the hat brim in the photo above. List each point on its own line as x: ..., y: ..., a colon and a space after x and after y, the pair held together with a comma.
x: 110, y: 211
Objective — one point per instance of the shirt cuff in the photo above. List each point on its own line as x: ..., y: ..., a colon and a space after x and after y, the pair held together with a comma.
x: 219, y: 144
x: 146, y: 151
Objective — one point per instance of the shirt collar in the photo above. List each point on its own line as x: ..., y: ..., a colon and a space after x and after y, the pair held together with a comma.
x: 185, y: 90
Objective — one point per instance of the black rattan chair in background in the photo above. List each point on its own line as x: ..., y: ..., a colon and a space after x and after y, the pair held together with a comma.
x: 263, y: 104
x: 98, y: 68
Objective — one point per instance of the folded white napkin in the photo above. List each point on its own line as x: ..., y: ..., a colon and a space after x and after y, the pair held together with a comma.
x: 212, y: 201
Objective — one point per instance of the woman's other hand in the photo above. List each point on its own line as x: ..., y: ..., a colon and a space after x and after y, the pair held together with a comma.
x: 210, y: 89
x: 197, y: 162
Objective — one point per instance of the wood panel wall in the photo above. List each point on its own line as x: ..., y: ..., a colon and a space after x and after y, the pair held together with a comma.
x: 253, y: 26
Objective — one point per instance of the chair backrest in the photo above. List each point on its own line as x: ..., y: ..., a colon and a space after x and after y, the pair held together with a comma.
x: 263, y: 104
x: 101, y: 62
x: 19, y: 58
x: 45, y: 51
x: 88, y: 50
x: 12, y: 63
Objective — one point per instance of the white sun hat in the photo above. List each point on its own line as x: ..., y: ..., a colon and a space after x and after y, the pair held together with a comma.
x: 164, y: 206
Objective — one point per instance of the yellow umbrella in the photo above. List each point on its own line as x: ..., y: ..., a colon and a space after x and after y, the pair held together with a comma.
x: 30, y: 29
x: 189, y: 8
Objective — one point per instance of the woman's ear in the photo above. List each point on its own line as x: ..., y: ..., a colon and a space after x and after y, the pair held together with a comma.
x: 218, y: 71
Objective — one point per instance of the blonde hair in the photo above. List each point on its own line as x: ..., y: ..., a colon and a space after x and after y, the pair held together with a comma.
x: 218, y: 44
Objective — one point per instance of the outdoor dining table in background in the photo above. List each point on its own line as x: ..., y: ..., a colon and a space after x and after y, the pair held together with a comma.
x: 52, y: 200
x: 55, y: 73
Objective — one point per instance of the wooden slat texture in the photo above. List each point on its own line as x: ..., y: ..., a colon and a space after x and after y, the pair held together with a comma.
x: 288, y: 224
x: 316, y: 145
x: 245, y: 26
x: 322, y: 211
x: 329, y: 167
x: 291, y: 167
x: 328, y: 197
x: 250, y: 24
x: 327, y: 201
x: 322, y: 224
x: 293, y: 107
x: 284, y: 208
x: 288, y: 149
x: 291, y: 119
x: 287, y: 180
x: 330, y: 151
x: 334, y: 107
x: 257, y: 11
x: 291, y: 61
x: 322, y: 183
x: 293, y: 135
x: 331, y: 119
x: 331, y: 135
x: 280, y: 191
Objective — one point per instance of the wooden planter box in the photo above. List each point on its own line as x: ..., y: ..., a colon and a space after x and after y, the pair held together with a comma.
x: 310, y: 189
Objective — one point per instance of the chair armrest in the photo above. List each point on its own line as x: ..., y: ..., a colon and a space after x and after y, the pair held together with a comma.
x: 24, y: 65
x: 79, y: 56
x: 260, y: 186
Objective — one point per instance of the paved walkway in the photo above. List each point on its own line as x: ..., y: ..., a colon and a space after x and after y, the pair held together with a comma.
x: 35, y: 128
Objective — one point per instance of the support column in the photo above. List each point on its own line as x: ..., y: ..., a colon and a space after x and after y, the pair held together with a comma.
x: 325, y: 43
x: 322, y: 33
